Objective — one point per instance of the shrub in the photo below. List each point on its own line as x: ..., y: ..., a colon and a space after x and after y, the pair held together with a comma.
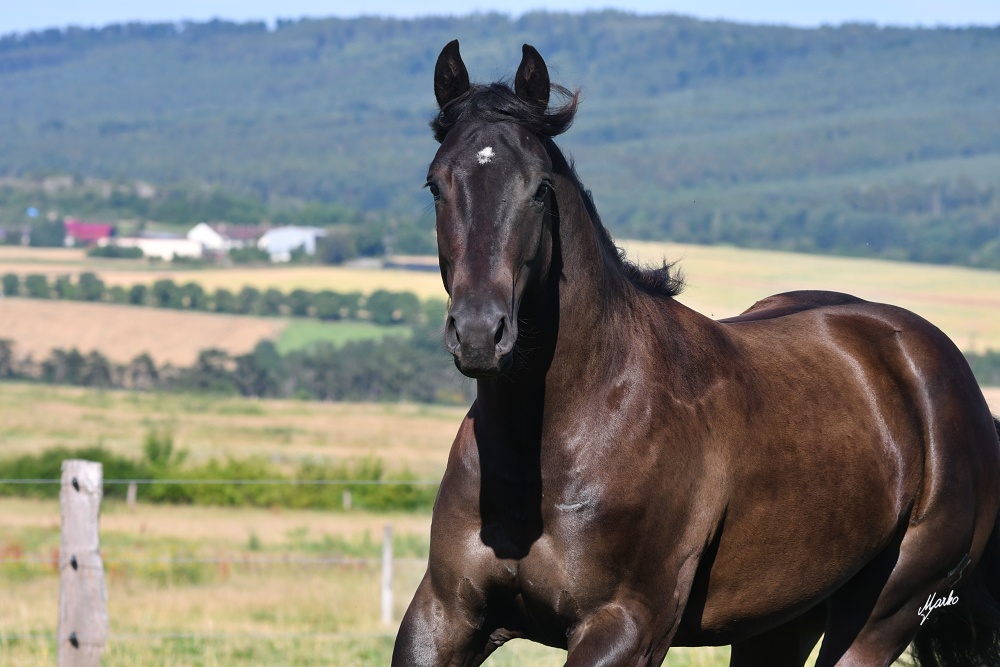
x: 248, y: 255
x: 89, y: 287
x: 11, y: 284
x: 37, y: 286
x: 115, y: 252
x: 166, y: 294
x: 137, y: 295
x: 65, y: 289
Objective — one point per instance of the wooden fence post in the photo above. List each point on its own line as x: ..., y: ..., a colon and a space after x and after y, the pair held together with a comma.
x: 387, y: 575
x: 83, y: 613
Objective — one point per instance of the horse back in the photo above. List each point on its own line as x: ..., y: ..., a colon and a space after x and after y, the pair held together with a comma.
x: 788, y: 303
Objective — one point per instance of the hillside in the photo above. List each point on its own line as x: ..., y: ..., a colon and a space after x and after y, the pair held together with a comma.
x: 852, y: 139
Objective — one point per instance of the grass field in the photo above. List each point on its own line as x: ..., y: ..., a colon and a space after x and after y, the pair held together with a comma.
x: 243, y: 611
x: 302, y: 333
x: 237, y: 610
x: 404, y: 436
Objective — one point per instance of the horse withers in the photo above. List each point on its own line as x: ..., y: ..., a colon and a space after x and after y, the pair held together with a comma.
x: 634, y: 476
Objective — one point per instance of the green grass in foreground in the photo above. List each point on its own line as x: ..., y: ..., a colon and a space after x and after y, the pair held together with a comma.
x: 302, y: 333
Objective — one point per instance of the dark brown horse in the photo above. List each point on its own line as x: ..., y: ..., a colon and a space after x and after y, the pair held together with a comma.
x: 635, y: 476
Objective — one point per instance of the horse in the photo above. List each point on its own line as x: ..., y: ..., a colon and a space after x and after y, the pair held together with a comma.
x: 634, y: 476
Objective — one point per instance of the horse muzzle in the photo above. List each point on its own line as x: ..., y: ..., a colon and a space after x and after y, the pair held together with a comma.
x: 481, y: 340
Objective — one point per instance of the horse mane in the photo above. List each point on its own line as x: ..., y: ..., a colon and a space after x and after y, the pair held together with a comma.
x: 664, y: 280
x: 497, y: 102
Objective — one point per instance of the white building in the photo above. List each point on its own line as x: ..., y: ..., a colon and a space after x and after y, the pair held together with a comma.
x: 220, y: 239
x: 280, y: 242
x: 161, y: 247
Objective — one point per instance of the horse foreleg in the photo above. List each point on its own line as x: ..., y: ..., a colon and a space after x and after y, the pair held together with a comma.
x: 441, y: 633
x: 615, y: 635
x: 788, y: 645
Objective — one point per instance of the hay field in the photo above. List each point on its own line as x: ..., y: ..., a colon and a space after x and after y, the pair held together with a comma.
x: 721, y: 282
x: 123, y: 332
x: 55, y: 262
x: 424, y: 284
x: 11, y: 254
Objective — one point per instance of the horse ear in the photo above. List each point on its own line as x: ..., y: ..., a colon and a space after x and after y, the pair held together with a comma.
x: 451, y: 78
x: 531, y: 83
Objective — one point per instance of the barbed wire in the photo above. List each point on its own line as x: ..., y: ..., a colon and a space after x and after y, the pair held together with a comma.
x: 128, y: 636
x: 40, y: 560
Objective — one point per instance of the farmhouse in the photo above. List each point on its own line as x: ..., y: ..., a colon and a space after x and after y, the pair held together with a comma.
x: 79, y: 233
x: 280, y: 242
x: 220, y: 239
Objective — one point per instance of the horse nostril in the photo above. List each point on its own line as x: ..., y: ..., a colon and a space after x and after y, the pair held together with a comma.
x: 499, y: 334
x: 451, y: 329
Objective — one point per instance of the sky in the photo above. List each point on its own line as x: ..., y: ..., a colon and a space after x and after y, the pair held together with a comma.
x: 23, y: 16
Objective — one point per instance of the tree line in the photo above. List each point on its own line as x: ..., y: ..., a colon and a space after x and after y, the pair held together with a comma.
x: 380, y: 307
x: 394, y: 368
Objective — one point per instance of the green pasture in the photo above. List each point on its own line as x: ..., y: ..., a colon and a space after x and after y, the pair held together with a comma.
x: 302, y: 333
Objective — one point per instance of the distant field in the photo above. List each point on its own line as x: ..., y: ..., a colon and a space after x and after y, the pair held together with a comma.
x: 722, y: 281
x: 123, y: 332
x: 72, y: 261
x: 303, y: 333
x: 169, y: 336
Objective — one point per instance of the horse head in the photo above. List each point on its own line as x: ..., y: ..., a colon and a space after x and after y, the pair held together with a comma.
x: 492, y: 182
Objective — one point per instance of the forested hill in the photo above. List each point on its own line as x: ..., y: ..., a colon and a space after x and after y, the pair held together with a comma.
x: 851, y: 139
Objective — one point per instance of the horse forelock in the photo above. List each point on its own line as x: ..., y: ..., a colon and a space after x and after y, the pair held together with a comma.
x: 497, y: 102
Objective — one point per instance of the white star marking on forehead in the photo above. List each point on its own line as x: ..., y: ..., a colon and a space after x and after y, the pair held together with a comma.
x: 485, y: 155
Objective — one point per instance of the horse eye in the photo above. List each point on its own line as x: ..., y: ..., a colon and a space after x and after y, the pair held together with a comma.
x: 543, y: 190
x: 435, y: 190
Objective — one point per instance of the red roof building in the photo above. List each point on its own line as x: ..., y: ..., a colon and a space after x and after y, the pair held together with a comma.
x: 86, y: 233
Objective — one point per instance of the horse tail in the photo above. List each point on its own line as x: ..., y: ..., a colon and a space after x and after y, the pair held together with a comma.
x: 968, y: 635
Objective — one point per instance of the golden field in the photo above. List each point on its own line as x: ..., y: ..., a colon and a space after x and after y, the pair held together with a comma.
x: 121, y: 333
x: 722, y: 282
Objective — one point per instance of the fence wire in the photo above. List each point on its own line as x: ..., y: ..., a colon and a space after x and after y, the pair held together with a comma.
x: 40, y: 560
x: 289, y: 482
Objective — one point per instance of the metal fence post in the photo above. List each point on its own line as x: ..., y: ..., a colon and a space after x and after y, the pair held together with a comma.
x: 387, y: 575
x: 83, y: 613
